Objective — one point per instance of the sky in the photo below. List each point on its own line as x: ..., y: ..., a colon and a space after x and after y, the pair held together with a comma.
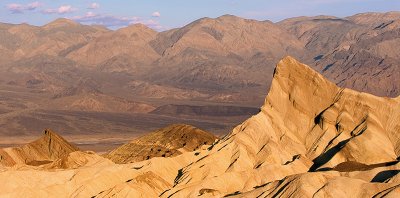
x: 166, y: 14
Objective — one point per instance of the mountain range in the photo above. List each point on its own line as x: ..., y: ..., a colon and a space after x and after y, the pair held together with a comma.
x: 227, y: 53
x: 89, y: 80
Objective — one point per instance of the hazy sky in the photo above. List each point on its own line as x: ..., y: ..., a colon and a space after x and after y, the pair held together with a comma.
x: 165, y: 14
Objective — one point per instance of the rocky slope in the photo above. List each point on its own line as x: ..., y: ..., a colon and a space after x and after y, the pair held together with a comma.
x: 166, y: 142
x: 53, y: 39
x: 357, y: 52
x: 132, y: 42
x: 311, y: 138
x: 221, y: 53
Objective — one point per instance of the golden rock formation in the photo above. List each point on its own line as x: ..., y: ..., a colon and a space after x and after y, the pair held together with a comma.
x: 46, y: 149
x: 166, y: 142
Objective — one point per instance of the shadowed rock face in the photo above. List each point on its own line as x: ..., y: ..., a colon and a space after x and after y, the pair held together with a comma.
x: 166, y: 142
x: 311, y: 138
x: 44, y: 150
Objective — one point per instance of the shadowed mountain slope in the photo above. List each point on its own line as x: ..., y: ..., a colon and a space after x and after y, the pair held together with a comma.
x: 358, y: 52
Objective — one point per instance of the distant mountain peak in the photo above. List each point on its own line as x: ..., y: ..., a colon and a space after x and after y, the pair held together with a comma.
x: 228, y: 16
x: 61, y: 22
x: 137, y: 27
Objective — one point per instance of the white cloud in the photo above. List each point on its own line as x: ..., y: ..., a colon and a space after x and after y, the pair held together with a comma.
x: 15, y: 8
x: 33, y: 5
x: 94, y: 6
x: 156, y: 14
x: 20, y: 8
x: 64, y: 9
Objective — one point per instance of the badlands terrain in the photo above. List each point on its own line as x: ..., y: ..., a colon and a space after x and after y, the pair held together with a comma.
x: 100, y: 87
x: 311, y: 138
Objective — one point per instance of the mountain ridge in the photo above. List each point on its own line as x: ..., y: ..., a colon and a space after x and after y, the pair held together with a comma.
x: 185, y: 57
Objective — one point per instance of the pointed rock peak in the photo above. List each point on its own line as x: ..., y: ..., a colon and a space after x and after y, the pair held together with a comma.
x: 291, y: 68
x: 61, y: 22
x: 295, y: 70
x: 302, y: 86
x: 52, y: 137
x: 289, y: 65
x: 46, y: 149
x: 48, y: 132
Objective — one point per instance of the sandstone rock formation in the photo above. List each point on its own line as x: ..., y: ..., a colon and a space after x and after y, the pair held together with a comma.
x: 44, y: 150
x: 166, y: 142
x: 311, y: 138
x: 307, y: 124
